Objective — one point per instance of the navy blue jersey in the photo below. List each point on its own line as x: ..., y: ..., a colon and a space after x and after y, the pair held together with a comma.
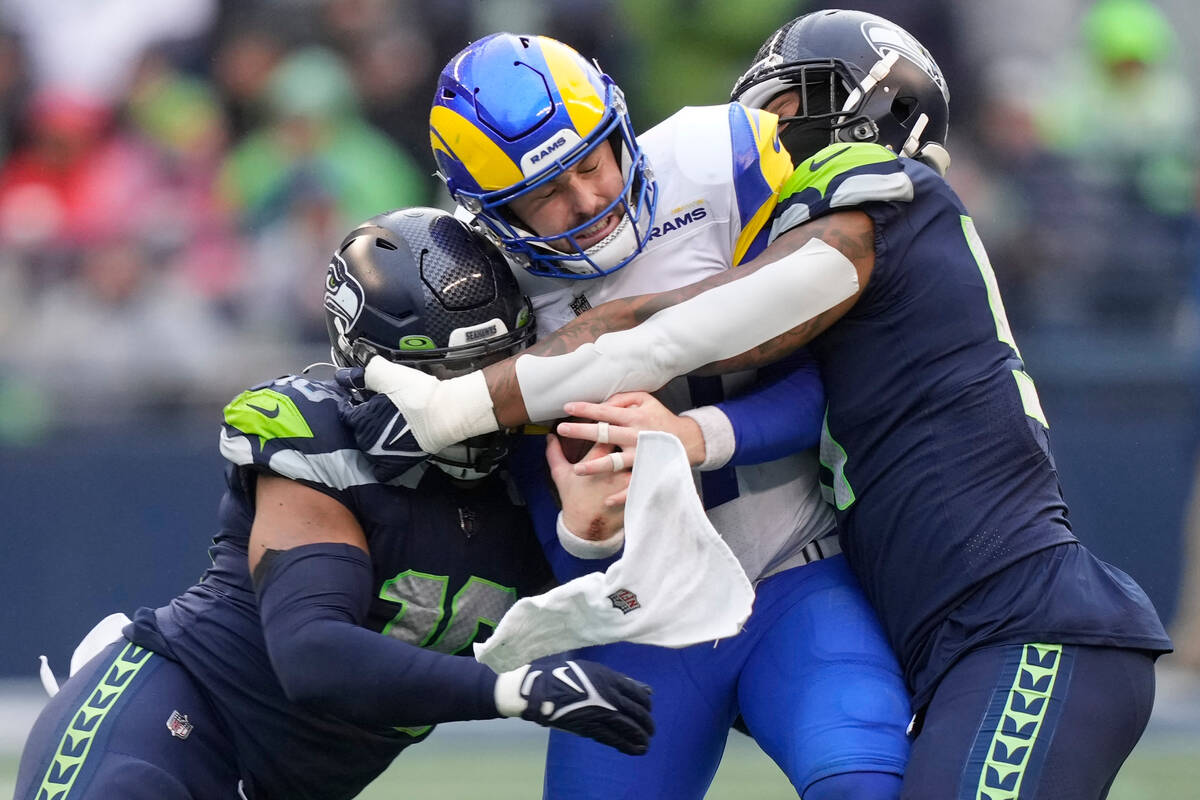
x: 447, y: 561
x: 935, y: 449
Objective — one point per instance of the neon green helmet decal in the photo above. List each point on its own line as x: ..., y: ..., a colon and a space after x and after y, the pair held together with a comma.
x: 416, y: 342
x: 267, y: 414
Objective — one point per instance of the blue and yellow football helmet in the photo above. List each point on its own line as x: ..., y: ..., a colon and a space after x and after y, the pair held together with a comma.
x: 513, y: 112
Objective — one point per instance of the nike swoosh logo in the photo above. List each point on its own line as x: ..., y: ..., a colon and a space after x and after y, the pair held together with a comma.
x: 395, y: 439
x: 563, y: 674
x: 268, y: 413
x: 813, y: 166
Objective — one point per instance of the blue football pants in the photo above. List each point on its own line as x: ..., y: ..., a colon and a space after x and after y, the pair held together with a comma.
x: 811, y: 675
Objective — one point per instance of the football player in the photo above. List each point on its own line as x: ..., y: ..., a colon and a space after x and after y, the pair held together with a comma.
x: 536, y: 143
x: 328, y: 634
x: 935, y: 449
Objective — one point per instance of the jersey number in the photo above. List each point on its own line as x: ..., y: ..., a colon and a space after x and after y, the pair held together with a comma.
x: 422, y: 599
x: 833, y: 456
x: 1029, y: 395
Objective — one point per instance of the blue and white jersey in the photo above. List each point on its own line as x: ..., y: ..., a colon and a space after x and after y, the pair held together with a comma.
x: 936, y: 450
x: 447, y: 561
x: 719, y: 169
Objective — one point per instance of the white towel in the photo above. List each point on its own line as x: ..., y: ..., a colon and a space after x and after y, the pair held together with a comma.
x: 676, y: 584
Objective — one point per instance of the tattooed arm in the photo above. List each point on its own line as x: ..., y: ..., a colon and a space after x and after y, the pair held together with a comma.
x: 849, y: 232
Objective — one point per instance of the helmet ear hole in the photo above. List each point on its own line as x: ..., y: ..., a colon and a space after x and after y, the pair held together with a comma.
x: 903, y: 108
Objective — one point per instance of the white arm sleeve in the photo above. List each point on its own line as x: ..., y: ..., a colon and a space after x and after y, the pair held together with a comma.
x: 717, y: 324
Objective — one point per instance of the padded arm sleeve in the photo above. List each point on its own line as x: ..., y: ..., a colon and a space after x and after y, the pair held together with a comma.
x: 773, y: 299
x: 781, y: 414
x: 313, y: 600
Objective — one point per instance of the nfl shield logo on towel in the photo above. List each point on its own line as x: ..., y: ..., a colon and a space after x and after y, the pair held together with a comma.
x: 179, y: 725
x: 625, y: 600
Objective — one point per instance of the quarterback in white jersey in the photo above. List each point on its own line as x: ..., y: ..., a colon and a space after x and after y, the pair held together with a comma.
x: 535, y: 143
x: 718, y: 169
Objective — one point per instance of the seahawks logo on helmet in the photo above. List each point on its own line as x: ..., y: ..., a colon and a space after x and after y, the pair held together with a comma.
x: 343, y: 295
x: 886, y: 38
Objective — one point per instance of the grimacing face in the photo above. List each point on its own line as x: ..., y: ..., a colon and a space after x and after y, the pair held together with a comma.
x: 575, y: 197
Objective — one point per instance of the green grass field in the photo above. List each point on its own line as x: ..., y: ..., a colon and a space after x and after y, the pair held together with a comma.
x: 464, y: 766
x: 494, y: 773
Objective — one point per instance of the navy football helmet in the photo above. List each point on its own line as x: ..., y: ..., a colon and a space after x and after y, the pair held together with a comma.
x: 511, y: 113
x: 860, y: 78
x: 420, y: 288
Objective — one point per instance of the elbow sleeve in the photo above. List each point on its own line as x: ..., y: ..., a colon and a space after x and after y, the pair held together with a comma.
x: 313, y: 600
x: 769, y: 301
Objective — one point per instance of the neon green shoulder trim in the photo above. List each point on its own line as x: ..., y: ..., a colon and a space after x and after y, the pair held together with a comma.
x: 267, y: 414
x: 827, y: 164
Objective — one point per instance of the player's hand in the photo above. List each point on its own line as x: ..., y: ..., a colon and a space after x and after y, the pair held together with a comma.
x: 580, y: 697
x: 619, y: 420
x: 440, y: 413
x: 592, y: 505
x: 382, y: 434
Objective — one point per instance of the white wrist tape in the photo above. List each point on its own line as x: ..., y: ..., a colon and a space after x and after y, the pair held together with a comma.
x: 717, y: 324
x: 588, y: 548
x: 440, y: 413
x: 717, y: 430
x: 507, y: 692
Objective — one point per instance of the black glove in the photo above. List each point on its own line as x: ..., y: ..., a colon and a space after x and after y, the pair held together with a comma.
x: 380, y: 431
x: 581, y: 697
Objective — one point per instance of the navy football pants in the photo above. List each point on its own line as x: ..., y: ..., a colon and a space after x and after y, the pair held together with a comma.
x: 106, y: 735
x: 1031, y: 722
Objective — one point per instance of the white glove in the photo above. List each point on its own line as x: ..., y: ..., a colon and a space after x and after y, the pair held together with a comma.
x: 439, y: 413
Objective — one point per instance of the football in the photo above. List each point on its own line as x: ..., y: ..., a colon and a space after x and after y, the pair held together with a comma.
x: 573, y: 449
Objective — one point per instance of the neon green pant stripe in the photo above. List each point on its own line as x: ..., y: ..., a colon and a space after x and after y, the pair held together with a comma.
x: 77, y: 740
x: 1024, y: 712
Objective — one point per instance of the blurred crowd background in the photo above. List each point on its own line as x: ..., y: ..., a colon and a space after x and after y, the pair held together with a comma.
x: 174, y: 176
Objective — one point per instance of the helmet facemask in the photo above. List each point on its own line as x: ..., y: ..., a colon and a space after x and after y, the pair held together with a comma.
x: 821, y: 92
x: 514, y: 112
x: 418, y: 288
x: 635, y: 203
x: 859, y: 78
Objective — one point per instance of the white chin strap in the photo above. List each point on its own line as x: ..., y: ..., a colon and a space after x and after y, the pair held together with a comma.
x: 878, y: 72
x: 604, y: 254
x: 616, y: 247
x: 612, y: 249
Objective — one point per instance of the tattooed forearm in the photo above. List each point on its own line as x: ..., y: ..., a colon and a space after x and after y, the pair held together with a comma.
x: 780, y: 346
x: 850, y: 232
x: 853, y: 234
x: 507, y: 402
